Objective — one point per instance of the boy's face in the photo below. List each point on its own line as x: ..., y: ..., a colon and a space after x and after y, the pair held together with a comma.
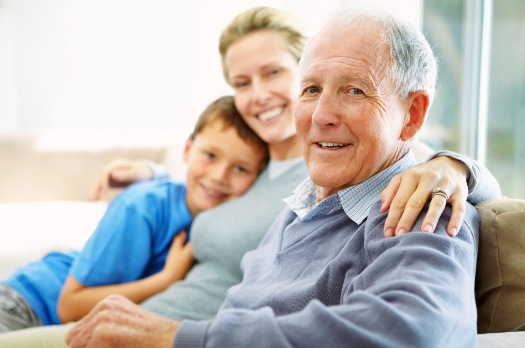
x: 221, y: 166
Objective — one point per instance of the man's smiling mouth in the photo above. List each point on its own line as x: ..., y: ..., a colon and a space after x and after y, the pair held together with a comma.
x: 326, y: 145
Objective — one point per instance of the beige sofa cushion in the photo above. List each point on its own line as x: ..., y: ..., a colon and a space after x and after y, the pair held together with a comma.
x: 500, y: 278
x: 45, y: 167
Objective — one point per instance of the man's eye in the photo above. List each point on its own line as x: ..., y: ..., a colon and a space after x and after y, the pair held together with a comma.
x: 356, y: 91
x: 311, y: 90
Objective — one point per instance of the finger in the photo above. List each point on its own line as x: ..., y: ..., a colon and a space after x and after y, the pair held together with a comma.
x: 389, y: 193
x: 188, y: 249
x: 179, y: 239
x: 435, y: 209
x: 411, y: 212
x: 103, y: 182
x: 458, y: 214
x: 132, y: 172
x: 76, y: 336
x: 123, y: 175
x: 94, y: 192
x: 398, y: 207
x: 100, y: 186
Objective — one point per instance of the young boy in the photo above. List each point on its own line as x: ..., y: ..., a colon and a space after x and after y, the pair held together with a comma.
x: 137, y: 250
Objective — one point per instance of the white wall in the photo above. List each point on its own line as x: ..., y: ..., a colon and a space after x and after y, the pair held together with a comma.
x: 8, y: 112
x: 120, y: 64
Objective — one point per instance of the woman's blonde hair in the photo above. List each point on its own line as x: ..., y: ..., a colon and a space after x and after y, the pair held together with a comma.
x: 263, y: 18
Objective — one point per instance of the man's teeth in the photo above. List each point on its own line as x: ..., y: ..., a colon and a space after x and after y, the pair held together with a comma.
x: 268, y: 115
x: 330, y: 145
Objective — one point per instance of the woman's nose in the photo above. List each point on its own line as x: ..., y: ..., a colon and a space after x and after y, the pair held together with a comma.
x: 260, y: 92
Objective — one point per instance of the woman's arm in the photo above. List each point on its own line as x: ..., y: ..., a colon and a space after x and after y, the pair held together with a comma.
x: 123, y: 172
x: 459, y: 176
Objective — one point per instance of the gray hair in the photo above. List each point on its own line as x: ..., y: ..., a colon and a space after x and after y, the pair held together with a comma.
x: 412, y: 65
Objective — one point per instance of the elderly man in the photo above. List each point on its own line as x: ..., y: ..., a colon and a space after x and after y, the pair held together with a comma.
x: 325, y: 276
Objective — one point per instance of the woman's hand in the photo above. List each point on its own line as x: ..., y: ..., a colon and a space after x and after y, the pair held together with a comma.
x: 408, y: 192
x: 119, y: 173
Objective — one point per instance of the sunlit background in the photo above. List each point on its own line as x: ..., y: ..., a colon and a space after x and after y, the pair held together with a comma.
x: 140, y: 69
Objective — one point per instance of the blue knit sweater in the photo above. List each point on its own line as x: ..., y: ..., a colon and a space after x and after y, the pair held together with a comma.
x: 325, y: 280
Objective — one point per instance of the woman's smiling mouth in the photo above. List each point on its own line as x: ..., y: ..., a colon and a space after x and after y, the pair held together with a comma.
x: 270, y: 114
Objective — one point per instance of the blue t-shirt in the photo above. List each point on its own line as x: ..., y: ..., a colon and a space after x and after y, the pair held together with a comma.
x: 131, y: 242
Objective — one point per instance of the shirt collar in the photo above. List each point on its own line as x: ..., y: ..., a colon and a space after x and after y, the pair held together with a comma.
x: 355, y: 200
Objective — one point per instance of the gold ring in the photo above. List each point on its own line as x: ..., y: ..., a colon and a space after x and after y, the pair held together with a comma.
x: 439, y: 192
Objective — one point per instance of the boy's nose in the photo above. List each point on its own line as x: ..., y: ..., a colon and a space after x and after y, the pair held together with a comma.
x: 220, y: 173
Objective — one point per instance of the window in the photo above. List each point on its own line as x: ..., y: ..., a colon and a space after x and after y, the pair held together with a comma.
x: 480, y: 106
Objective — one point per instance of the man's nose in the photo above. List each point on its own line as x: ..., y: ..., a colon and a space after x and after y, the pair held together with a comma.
x: 325, y: 113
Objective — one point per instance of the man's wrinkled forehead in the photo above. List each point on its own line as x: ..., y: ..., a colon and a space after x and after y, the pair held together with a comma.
x: 359, y: 48
x: 346, y: 41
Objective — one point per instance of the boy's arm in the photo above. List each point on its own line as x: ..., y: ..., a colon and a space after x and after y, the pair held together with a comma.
x: 76, y: 300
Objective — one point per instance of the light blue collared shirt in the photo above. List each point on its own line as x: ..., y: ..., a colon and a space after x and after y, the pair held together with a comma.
x: 355, y: 200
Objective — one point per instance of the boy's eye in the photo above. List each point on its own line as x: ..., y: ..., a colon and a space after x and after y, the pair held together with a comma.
x: 241, y: 169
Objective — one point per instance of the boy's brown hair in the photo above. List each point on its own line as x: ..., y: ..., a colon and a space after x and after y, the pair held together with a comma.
x: 224, y: 109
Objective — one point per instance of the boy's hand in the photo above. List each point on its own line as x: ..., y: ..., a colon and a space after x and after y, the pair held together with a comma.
x: 119, y: 173
x: 180, y: 258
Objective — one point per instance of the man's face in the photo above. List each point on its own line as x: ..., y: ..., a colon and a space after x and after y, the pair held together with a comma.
x: 349, y: 118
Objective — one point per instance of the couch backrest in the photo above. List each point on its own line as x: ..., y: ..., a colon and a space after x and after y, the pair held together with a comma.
x: 34, y: 169
x: 500, y: 275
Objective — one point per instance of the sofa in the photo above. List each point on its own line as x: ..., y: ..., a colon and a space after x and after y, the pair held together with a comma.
x: 45, y: 178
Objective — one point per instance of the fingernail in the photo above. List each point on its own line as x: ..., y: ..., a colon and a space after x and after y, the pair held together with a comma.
x: 401, y: 231
x: 428, y: 228
x: 389, y: 232
x: 454, y: 231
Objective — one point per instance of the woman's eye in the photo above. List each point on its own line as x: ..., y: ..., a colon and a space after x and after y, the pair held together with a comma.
x: 356, y: 91
x: 209, y: 155
x: 240, y: 84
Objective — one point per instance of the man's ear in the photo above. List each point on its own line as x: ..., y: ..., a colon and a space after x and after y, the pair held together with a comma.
x: 187, y: 149
x: 418, y: 102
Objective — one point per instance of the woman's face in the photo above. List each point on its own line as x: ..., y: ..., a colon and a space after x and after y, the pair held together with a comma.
x: 265, y: 76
